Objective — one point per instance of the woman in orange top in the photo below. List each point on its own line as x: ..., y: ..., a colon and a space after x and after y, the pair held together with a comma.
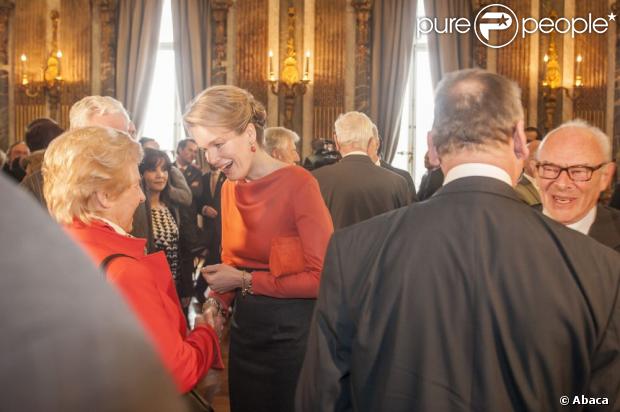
x: 92, y: 185
x: 275, y: 230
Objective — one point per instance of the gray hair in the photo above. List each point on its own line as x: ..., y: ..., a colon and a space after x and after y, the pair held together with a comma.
x: 276, y: 137
x: 604, y: 141
x: 81, y: 111
x: 475, y: 108
x: 354, y: 129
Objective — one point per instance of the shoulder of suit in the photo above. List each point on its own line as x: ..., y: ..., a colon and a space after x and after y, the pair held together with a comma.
x: 379, y: 226
x: 608, y: 212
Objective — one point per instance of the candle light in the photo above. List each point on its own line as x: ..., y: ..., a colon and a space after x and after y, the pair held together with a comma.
x: 307, y: 66
x: 578, y: 80
x: 59, y: 57
x: 23, y: 58
x: 546, y: 60
x: 272, y: 76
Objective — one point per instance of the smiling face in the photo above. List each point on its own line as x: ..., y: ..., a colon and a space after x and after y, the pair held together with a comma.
x: 157, y: 178
x: 226, y: 150
x: 563, y: 199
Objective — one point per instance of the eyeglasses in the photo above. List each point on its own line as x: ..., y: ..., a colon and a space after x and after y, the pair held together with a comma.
x: 579, y: 173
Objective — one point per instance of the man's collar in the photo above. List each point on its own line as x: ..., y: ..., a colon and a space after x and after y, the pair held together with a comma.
x: 477, y: 169
x: 356, y: 152
x: 584, y: 224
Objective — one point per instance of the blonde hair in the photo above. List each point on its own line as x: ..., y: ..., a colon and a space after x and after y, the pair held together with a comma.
x: 229, y: 107
x: 276, y: 138
x: 354, y: 129
x: 83, y: 110
x: 82, y: 161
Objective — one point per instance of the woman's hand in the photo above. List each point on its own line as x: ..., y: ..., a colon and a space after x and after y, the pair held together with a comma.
x: 222, y: 278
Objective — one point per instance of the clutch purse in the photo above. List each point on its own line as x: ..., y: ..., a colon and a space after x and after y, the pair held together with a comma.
x: 286, y: 256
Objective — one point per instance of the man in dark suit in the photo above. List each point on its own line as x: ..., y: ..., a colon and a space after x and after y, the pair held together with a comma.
x: 69, y: 342
x: 431, y: 181
x: 187, y: 149
x: 527, y: 187
x: 471, y: 300
x: 209, y: 206
x: 574, y: 167
x: 355, y: 189
x: 374, y: 150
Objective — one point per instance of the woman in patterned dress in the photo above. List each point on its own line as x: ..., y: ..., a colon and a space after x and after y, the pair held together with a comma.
x: 171, y: 228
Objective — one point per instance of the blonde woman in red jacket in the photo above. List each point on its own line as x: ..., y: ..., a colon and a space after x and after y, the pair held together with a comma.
x: 92, y: 186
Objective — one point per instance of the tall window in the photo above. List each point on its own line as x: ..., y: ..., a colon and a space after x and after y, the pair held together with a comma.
x: 417, y: 112
x: 163, y: 114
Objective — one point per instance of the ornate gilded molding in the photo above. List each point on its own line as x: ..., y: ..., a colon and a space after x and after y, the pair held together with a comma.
x: 107, y: 16
x: 251, y: 47
x: 219, y: 10
x: 480, y: 50
x: 329, y: 67
x: 6, y: 7
x: 362, y: 54
x: 592, y: 102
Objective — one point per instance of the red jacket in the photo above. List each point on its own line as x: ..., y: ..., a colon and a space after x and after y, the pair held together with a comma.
x: 146, y: 283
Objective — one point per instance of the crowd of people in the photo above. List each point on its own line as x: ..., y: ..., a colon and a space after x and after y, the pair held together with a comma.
x: 494, y: 286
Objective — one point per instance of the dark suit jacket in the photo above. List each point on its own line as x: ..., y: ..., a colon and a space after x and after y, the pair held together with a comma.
x: 212, y: 228
x: 406, y: 175
x: 606, y: 227
x: 355, y: 189
x: 431, y: 182
x: 615, y: 197
x: 78, y: 347
x: 193, y: 177
x: 469, y: 301
x: 527, y: 192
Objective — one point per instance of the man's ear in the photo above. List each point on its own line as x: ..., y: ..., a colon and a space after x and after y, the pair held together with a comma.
x: 373, y: 146
x: 433, y: 156
x: 520, y: 141
x: 607, y: 174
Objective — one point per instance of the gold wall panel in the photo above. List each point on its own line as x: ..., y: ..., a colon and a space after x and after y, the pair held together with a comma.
x: 513, y: 60
x: 329, y: 67
x: 592, y: 103
x: 29, y: 30
x: 75, y: 42
x: 252, y: 47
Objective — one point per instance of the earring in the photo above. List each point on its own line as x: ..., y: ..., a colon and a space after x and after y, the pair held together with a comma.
x: 252, y: 147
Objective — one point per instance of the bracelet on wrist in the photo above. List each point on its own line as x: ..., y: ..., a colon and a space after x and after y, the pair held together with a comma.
x: 246, y: 284
x: 213, y: 302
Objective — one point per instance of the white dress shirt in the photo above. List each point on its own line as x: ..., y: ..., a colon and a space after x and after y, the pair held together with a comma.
x: 582, y: 225
x: 477, y: 169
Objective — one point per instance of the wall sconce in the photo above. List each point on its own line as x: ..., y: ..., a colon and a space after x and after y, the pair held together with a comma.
x: 552, y: 81
x: 51, y: 77
x: 289, y: 84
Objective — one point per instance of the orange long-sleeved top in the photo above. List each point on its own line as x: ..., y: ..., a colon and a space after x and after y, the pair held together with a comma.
x: 285, y: 203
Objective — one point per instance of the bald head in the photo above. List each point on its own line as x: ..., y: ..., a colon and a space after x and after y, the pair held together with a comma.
x: 576, y: 144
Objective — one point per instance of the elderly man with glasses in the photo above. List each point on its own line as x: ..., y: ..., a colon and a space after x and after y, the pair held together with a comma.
x: 573, y: 167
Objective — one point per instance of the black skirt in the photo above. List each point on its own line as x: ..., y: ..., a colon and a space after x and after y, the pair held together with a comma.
x: 267, y: 347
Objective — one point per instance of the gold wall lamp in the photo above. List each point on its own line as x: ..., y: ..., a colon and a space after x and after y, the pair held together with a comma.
x: 51, y: 71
